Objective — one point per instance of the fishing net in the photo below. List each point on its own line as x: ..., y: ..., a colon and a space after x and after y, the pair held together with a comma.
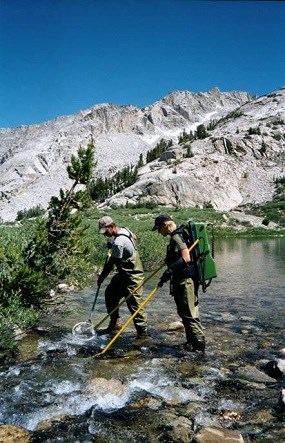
x: 84, y: 331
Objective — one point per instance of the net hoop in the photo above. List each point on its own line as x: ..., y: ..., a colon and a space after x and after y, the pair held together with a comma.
x: 84, y: 330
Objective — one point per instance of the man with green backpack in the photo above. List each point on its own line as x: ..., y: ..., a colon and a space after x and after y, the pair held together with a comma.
x: 183, y: 275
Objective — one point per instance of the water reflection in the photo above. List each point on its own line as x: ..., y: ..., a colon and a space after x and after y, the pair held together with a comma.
x: 248, y: 266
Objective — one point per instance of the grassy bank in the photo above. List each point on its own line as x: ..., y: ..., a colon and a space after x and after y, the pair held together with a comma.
x: 152, y: 246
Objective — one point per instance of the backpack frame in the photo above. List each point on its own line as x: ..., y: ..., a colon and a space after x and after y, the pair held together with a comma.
x: 202, y: 254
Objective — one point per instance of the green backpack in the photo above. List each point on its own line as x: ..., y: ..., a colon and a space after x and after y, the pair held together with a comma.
x: 202, y: 254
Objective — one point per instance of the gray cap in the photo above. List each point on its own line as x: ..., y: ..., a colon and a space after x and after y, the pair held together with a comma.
x: 160, y: 219
x: 104, y: 222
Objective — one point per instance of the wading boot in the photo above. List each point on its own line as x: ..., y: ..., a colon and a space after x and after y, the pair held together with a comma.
x: 142, y: 333
x: 199, y: 343
x: 188, y: 346
x: 113, y: 327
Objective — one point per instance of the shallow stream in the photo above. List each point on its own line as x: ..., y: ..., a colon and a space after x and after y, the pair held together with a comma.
x: 152, y: 390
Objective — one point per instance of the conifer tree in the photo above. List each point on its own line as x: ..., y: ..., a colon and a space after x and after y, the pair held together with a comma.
x: 201, y: 132
x: 49, y: 256
x: 56, y: 251
x: 140, y: 162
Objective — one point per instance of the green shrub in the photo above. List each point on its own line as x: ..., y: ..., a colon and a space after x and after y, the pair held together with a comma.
x: 36, y: 211
x: 6, y: 334
x: 271, y: 211
x: 252, y: 131
x: 186, y: 137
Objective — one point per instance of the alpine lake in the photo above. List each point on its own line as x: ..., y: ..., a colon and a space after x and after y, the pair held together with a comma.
x: 152, y: 390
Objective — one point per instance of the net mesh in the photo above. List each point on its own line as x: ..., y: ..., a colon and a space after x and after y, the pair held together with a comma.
x: 84, y: 331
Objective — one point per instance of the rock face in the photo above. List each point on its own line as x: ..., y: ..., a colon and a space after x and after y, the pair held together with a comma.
x: 237, y: 163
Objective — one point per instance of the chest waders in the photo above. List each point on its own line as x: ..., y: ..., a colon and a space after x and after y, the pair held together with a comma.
x: 184, y: 288
x: 129, y: 277
x: 131, y: 268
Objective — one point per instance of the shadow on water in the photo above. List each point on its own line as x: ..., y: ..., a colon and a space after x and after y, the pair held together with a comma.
x: 151, y: 389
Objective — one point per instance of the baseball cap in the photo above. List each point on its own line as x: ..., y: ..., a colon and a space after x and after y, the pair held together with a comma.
x: 104, y: 222
x: 160, y: 219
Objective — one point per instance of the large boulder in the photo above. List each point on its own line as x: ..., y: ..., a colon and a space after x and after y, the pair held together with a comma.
x: 14, y: 434
x: 217, y: 435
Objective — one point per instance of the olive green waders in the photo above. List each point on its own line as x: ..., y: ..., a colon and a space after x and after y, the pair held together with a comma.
x: 185, y: 293
x: 129, y: 276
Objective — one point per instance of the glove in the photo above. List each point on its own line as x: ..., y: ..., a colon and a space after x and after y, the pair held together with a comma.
x: 178, y: 265
x: 109, y: 244
x: 166, y: 276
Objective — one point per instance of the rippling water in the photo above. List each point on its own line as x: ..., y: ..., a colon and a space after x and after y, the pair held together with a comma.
x: 243, y: 315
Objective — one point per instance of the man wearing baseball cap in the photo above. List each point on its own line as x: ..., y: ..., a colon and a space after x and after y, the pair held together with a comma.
x: 125, y: 258
x: 184, y: 281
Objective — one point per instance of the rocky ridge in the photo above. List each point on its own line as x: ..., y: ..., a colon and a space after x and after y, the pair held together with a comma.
x: 236, y: 164
x: 228, y: 168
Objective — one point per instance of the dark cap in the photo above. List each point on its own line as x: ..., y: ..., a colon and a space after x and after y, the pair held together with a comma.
x: 160, y: 219
x: 104, y: 222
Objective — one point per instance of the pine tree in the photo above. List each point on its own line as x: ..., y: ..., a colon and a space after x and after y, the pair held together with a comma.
x: 57, y: 250
x: 201, y: 132
x: 50, y: 254
x: 140, y: 162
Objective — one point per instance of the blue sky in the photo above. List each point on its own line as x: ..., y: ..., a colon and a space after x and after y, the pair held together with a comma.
x: 58, y: 57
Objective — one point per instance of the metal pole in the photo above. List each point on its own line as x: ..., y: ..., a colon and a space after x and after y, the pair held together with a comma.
x: 111, y: 342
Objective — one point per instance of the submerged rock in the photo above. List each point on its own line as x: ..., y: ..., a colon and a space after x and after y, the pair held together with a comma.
x: 178, y: 428
x: 252, y: 374
x: 102, y: 387
x: 47, y: 424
